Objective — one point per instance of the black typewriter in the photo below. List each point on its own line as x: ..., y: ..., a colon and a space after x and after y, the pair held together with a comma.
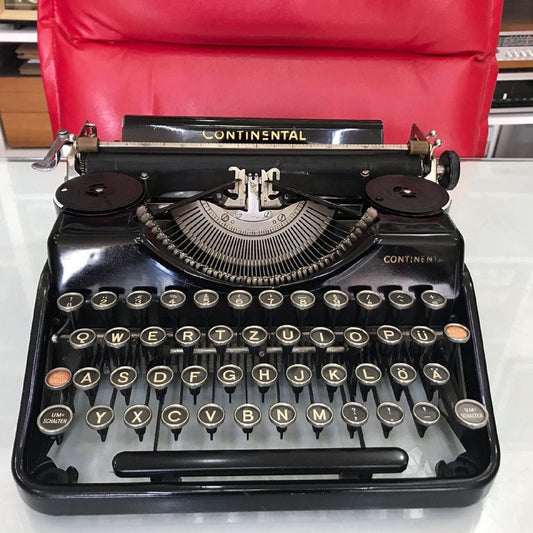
x: 253, y: 315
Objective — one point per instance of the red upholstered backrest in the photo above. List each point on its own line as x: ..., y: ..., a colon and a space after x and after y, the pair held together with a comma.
x: 413, y: 61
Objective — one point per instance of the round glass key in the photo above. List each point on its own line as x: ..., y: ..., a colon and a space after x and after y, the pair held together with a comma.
x: 270, y: 299
x: 239, y: 300
x: 336, y: 300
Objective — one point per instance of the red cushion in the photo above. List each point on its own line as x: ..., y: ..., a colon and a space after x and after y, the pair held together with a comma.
x: 88, y: 78
x: 428, y: 27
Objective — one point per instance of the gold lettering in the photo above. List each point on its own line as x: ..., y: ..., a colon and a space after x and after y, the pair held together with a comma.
x: 205, y: 136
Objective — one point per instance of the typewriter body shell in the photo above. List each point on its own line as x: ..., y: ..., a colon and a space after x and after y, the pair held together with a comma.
x: 413, y: 252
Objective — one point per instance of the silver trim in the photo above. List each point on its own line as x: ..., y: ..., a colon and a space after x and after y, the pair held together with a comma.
x: 353, y: 343
x: 421, y: 342
x: 90, y: 342
x: 144, y: 423
x: 172, y: 307
x: 211, y: 425
x: 255, y: 343
x: 363, y: 380
x: 385, y: 422
x: 253, y: 146
x: 466, y: 423
x: 188, y: 344
x: 60, y: 430
x: 240, y: 307
x: 160, y: 368
x: 99, y: 427
x: 352, y: 423
x: 157, y: 342
x: 291, y: 408
x: 265, y: 366
x: 421, y: 421
x: 127, y: 385
x: 365, y: 305
x: 121, y: 343
x: 106, y: 306
x: 401, y: 306
x: 245, y: 425
x: 175, y: 425
x: 431, y: 305
x: 440, y: 367
x: 218, y: 342
x: 322, y: 344
x: 303, y: 307
x: 284, y: 342
x: 400, y: 381
x: 205, y: 305
x: 337, y: 367
x: 138, y: 307
x: 299, y: 383
x: 83, y: 370
x: 239, y: 375
x: 342, y: 303
x: 389, y: 342
x: 70, y: 309
x: 452, y: 339
x: 61, y: 387
x: 194, y: 386
x: 270, y: 307
x: 319, y: 424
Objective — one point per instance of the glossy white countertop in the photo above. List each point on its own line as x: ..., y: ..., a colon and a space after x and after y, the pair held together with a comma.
x: 493, y: 208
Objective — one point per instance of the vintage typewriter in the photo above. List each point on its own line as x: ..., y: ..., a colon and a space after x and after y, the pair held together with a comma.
x: 244, y: 315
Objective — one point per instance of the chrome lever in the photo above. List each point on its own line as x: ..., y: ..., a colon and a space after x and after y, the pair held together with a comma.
x: 52, y: 157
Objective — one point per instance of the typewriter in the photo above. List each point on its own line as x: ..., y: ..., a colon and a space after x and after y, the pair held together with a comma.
x: 253, y: 315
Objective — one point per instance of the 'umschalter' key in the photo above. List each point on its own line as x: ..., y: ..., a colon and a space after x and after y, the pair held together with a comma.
x: 54, y: 420
x: 471, y: 414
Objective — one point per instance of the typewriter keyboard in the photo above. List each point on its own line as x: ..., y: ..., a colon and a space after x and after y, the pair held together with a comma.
x: 373, y: 377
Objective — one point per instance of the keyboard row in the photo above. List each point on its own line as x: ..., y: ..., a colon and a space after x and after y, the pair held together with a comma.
x: 55, y: 419
x: 257, y: 338
x: 240, y: 300
x: 264, y: 375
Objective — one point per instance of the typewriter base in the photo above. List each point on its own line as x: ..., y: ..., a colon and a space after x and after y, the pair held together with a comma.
x: 242, y: 496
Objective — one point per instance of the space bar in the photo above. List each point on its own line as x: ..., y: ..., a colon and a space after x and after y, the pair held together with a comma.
x: 260, y: 462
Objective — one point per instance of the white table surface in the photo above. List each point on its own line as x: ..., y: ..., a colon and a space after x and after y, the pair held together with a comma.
x: 493, y: 208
